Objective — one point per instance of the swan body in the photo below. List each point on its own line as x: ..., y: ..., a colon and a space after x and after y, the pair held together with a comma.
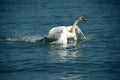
x: 61, y: 34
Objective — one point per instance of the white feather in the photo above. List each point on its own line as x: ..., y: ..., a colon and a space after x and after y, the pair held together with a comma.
x: 59, y: 34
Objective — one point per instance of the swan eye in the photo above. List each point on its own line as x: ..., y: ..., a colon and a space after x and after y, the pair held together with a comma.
x: 82, y: 18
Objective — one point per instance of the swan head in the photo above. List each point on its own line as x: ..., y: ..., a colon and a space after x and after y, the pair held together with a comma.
x: 81, y: 18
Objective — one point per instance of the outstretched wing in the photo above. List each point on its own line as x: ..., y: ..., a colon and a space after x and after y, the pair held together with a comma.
x: 55, y: 33
x: 79, y: 34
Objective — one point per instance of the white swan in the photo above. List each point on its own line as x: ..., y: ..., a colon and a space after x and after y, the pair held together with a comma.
x: 61, y: 34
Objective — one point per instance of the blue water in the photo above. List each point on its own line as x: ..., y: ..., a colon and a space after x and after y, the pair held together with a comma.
x: 24, y: 21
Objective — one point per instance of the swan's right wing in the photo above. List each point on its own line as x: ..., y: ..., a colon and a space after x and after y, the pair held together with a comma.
x: 56, y: 32
x: 58, y: 35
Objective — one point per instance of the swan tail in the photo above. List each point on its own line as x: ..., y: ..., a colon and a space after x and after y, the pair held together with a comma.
x: 42, y: 40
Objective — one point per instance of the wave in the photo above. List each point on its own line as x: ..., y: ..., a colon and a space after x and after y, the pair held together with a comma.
x: 24, y: 38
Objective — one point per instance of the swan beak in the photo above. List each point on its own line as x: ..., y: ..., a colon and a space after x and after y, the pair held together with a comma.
x: 84, y: 19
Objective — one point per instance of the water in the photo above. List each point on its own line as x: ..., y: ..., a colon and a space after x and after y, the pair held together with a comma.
x: 24, y: 21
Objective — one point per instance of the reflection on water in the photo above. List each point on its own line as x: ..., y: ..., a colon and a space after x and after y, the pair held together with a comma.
x: 65, y: 53
x: 64, y: 57
x: 66, y: 77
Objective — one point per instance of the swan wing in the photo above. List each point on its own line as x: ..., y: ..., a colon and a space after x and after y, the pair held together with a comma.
x: 79, y: 34
x: 55, y: 32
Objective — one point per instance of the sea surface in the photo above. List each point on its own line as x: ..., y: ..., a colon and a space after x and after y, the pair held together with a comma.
x: 22, y: 22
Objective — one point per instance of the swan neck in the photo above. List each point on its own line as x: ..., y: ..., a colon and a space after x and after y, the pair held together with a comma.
x: 74, y: 25
x: 73, y: 33
x: 76, y: 22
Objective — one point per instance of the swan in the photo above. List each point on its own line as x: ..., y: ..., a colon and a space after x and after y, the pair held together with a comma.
x: 61, y: 34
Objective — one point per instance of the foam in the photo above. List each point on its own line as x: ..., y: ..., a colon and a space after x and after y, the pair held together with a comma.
x: 24, y: 38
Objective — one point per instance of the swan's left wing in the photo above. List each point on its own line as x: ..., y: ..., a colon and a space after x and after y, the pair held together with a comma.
x: 79, y: 34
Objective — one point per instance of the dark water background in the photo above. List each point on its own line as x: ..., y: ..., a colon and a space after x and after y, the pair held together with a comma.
x: 24, y: 21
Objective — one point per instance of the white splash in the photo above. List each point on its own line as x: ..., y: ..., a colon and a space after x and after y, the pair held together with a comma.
x: 31, y: 38
x: 88, y: 37
x: 25, y: 38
